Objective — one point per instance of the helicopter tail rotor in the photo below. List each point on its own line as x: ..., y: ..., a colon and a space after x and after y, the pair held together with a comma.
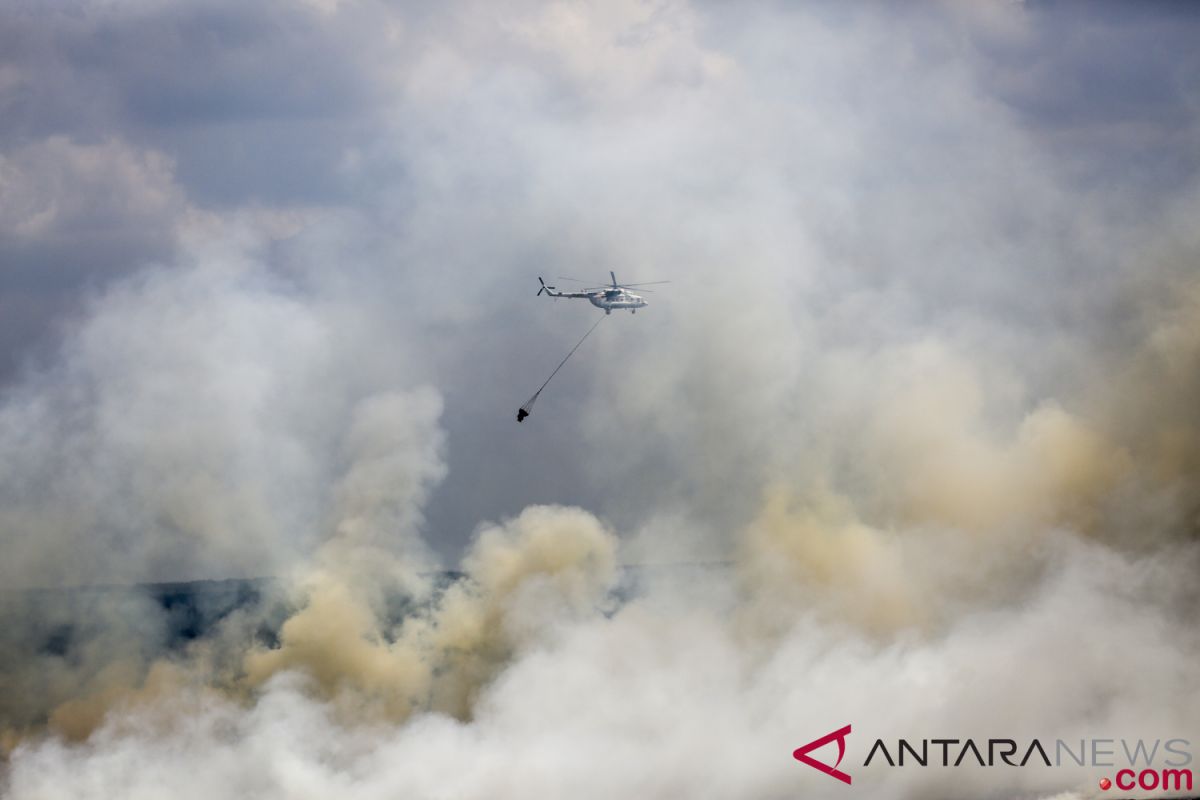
x: 544, y: 288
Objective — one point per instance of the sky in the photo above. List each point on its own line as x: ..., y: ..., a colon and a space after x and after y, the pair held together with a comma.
x: 924, y: 376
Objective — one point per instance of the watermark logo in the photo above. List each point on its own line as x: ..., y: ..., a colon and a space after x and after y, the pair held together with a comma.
x: 1164, y: 764
x: 801, y: 754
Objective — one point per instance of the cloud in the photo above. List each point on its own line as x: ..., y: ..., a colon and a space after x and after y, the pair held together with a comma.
x: 77, y: 215
x: 199, y: 422
x: 811, y: 156
x: 921, y: 392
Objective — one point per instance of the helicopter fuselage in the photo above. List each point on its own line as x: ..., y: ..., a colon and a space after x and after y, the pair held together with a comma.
x: 614, y: 298
x: 608, y: 299
x: 618, y: 301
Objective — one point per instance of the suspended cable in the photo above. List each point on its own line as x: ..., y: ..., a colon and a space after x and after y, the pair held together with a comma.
x: 525, y: 410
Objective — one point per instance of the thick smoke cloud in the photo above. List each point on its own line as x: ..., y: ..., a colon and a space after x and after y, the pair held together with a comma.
x: 911, y: 441
x: 190, y: 428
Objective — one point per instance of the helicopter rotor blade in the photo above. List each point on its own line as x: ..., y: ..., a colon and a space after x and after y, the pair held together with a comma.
x: 609, y: 287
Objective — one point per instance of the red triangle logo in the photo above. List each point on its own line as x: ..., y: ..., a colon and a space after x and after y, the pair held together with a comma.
x: 801, y: 754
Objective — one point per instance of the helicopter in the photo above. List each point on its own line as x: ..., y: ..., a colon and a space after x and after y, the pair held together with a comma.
x: 615, y: 296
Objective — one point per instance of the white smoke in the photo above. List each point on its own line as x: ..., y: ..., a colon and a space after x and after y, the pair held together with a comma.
x: 926, y: 403
x: 662, y: 701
